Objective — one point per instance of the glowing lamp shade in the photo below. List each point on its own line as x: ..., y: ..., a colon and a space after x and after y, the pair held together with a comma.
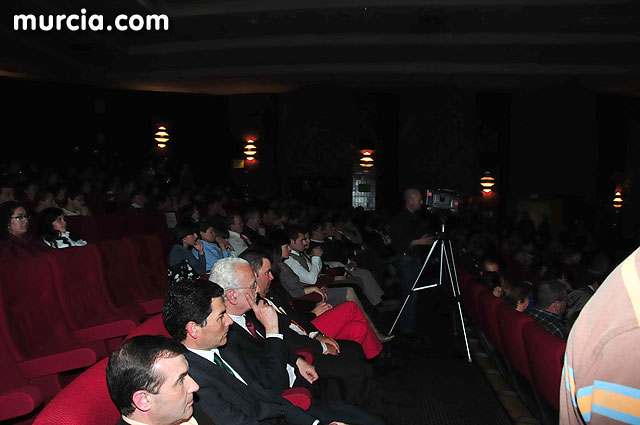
x: 250, y: 150
x: 487, y: 182
x: 367, y: 160
x: 162, y: 137
x: 617, y: 200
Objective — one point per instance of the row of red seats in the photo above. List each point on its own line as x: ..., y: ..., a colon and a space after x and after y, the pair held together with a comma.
x: 86, y: 400
x: 64, y: 310
x: 100, y: 227
x: 533, y: 357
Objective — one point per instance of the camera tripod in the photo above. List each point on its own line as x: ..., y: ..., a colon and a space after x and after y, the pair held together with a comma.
x: 446, y: 257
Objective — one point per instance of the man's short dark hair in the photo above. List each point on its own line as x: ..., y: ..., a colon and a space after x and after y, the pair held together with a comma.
x: 549, y: 292
x: 188, y: 301
x: 254, y: 258
x: 293, y: 230
x: 131, y: 368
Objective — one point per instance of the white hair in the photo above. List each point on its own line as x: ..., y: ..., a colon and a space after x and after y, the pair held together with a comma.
x: 224, y: 272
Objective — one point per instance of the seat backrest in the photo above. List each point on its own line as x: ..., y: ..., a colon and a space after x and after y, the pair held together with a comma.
x: 111, y: 226
x: 80, y: 285
x: 140, y: 223
x: 546, y: 354
x: 30, y: 311
x: 119, y: 270
x: 85, y: 401
x: 149, y: 258
x: 511, y: 324
x: 17, y: 396
x: 489, y: 307
x: 151, y: 326
x: 85, y: 226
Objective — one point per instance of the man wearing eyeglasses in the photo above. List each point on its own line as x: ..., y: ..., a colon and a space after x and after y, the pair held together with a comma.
x: 238, y: 280
x: 235, y: 277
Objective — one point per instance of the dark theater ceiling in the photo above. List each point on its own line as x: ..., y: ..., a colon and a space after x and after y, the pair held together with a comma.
x: 254, y: 46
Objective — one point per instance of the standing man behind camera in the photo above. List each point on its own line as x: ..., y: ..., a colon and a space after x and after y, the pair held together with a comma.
x: 408, y: 237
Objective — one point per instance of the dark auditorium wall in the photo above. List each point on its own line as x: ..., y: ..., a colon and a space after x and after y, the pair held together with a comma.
x: 45, y: 121
x: 554, y: 144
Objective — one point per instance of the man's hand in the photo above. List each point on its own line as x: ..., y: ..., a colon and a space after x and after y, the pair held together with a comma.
x: 307, y: 370
x: 312, y: 289
x: 321, y: 308
x: 317, y: 251
x: 333, y: 347
x: 264, y: 313
x: 424, y: 240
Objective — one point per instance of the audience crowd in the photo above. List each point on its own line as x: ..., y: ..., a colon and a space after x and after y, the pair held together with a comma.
x: 297, y: 292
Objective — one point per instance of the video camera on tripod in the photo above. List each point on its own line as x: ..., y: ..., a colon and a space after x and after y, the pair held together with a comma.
x: 442, y: 200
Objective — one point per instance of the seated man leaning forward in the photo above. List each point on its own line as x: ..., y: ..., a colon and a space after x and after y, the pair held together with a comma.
x: 148, y: 380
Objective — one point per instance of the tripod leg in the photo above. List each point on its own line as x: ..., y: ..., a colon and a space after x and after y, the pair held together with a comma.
x: 412, y: 290
x: 455, y: 270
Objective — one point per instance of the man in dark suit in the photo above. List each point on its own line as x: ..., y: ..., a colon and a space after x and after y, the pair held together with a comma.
x: 149, y: 383
x: 233, y: 389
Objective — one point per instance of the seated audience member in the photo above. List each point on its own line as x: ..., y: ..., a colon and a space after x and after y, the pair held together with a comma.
x: 342, y: 361
x: 331, y: 297
x: 238, y: 241
x: 236, y: 389
x: 334, y: 257
x: 489, y: 264
x: 29, y: 194
x: 253, y: 228
x: 345, y: 321
x: 148, y: 381
x: 587, y: 286
x: 185, y: 238
x: 74, y: 204
x: 6, y: 192
x: 52, y: 230
x: 493, y: 281
x: 215, y: 243
x: 14, y: 240
x: 190, y: 213
x: 550, y: 305
x: 517, y: 294
x: 137, y: 201
x: 45, y: 198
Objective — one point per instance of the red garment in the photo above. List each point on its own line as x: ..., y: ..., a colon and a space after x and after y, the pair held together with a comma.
x: 13, y: 247
x: 346, y: 321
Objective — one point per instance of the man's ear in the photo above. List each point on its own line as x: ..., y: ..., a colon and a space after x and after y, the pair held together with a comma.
x: 141, y: 400
x: 193, y: 330
x: 232, y: 296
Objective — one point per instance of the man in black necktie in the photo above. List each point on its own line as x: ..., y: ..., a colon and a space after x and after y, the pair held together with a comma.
x: 195, y: 314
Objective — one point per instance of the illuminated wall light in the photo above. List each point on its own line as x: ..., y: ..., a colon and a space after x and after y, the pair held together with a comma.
x: 250, y: 150
x: 367, y: 160
x: 487, y: 182
x: 162, y: 137
x: 617, y: 200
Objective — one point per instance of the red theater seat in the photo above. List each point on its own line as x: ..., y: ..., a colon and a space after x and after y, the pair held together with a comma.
x: 85, y: 226
x: 119, y: 270
x: 84, y: 298
x: 546, y: 355
x: 489, y: 306
x: 151, y: 263
x: 18, y: 397
x: 512, y: 323
x: 110, y: 226
x: 34, y: 327
x: 85, y: 401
